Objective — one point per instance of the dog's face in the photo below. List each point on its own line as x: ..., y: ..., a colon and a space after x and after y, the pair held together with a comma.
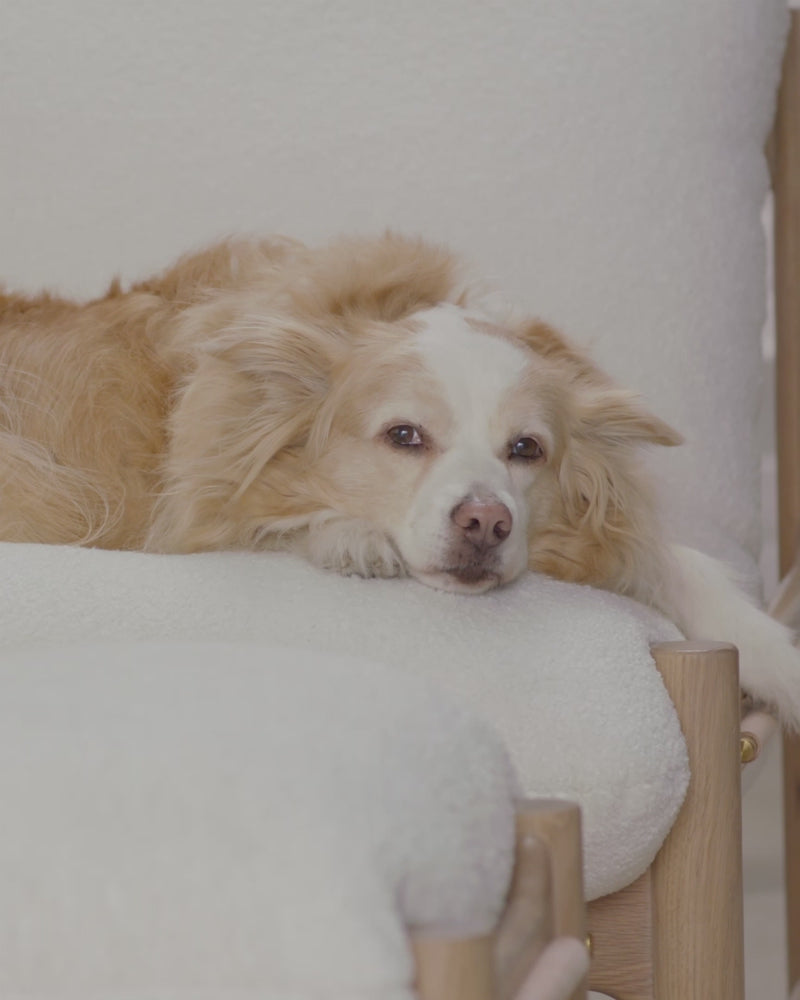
x: 353, y: 417
x: 447, y: 437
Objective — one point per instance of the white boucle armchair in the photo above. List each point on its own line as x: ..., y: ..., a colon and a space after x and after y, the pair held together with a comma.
x: 603, y: 165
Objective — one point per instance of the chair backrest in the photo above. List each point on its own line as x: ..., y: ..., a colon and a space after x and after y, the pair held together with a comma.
x: 601, y: 164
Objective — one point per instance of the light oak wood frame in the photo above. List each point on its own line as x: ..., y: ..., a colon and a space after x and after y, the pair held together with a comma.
x: 785, y: 162
x: 538, y: 951
x: 677, y: 932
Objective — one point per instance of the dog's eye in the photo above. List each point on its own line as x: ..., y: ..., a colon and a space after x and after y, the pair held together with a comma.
x: 527, y: 448
x: 405, y: 436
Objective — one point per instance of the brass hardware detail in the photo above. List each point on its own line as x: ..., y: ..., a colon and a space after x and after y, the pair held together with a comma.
x: 748, y: 748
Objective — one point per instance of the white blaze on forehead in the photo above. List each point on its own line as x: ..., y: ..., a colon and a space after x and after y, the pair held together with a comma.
x: 477, y: 375
x: 477, y: 370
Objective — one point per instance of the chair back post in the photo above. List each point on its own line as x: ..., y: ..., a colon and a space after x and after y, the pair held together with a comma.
x: 785, y: 162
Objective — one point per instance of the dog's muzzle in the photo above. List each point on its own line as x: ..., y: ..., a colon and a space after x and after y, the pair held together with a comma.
x: 480, y: 526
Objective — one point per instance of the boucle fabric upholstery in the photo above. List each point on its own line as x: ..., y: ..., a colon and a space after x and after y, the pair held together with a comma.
x: 562, y: 673
x: 218, y: 820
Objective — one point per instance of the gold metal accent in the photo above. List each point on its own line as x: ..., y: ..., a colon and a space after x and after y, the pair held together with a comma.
x: 748, y: 748
x: 589, y: 942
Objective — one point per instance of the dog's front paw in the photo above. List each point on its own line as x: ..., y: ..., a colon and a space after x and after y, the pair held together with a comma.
x: 353, y: 547
x: 769, y: 666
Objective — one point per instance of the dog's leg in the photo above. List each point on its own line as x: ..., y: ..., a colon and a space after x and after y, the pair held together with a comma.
x: 706, y: 603
x: 351, y: 546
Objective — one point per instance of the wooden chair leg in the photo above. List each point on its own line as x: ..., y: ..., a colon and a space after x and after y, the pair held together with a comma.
x: 791, y: 820
x: 621, y: 925
x: 785, y: 607
x: 696, y: 878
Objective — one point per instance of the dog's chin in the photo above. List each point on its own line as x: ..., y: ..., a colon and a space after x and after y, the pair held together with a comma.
x: 460, y: 580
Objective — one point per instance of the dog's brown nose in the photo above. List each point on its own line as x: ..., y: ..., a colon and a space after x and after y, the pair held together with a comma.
x: 485, y: 523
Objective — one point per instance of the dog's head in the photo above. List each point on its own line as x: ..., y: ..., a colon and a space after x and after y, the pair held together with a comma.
x: 471, y: 450
x: 467, y: 446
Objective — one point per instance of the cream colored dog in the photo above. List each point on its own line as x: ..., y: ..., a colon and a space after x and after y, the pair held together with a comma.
x: 357, y: 404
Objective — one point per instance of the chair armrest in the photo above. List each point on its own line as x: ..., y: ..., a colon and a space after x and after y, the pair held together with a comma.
x: 534, y: 948
x: 546, y: 899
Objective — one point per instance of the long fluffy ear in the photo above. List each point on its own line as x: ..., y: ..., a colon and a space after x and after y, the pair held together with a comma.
x: 605, y: 491
x: 618, y: 417
x: 616, y: 414
x: 249, y: 398
x: 604, y: 526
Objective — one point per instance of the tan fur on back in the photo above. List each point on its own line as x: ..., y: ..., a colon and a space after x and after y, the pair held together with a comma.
x: 87, y: 391
x: 83, y: 403
x: 196, y: 410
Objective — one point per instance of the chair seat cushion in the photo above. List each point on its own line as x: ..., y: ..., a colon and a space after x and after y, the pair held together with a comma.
x: 562, y: 673
x: 214, y: 820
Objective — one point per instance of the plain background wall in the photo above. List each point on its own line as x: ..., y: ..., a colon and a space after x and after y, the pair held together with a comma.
x: 599, y: 163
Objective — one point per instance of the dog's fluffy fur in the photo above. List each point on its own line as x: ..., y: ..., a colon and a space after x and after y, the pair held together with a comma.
x: 356, y: 403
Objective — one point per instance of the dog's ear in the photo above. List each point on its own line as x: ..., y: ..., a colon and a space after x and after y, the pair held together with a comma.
x: 617, y: 416
x: 603, y: 527
x: 603, y: 410
x: 254, y: 382
x: 602, y: 481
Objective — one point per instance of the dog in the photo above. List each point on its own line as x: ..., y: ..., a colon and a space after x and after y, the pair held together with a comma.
x: 359, y: 404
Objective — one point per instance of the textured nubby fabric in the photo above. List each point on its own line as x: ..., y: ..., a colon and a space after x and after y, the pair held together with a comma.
x: 237, y: 821
x: 562, y: 673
